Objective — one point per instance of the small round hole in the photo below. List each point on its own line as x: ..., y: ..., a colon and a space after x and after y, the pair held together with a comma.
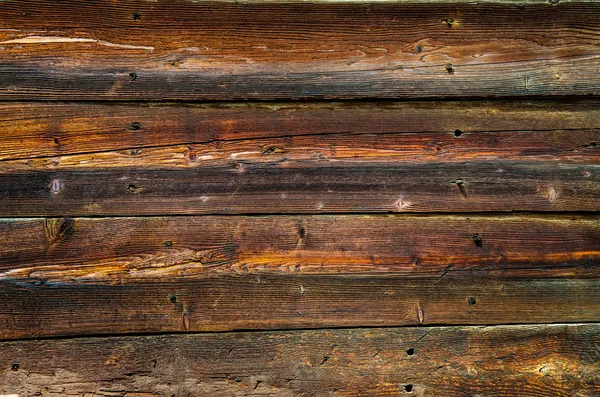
x: 408, y: 388
x: 14, y: 367
x: 56, y: 141
x: 168, y: 243
x: 472, y: 301
x: 173, y: 299
x: 410, y: 351
x: 458, y: 133
x: 136, y: 126
x: 477, y: 240
x: 133, y: 76
x: 418, y: 48
x: 137, y: 16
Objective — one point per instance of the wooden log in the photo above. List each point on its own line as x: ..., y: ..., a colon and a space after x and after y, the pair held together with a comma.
x: 182, y: 50
x: 64, y: 277
x: 541, y: 360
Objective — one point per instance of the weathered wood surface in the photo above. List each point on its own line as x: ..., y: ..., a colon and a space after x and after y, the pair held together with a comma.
x: 186, y: 50
x: 222, y: 302
x: 128, y: 275
x: 540, y: 361
x: 302, y: 251
x: 98, y: 159
x: 555, y: 129
x: 297, y: 187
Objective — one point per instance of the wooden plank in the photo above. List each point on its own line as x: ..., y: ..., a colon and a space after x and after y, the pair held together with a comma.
x: 558, y: 147
x: 564, y: 130
x: 546, y: 360
x: 182, y: 50
x: 183, y: 274
x: 222, y: 302
x: 304, y: 187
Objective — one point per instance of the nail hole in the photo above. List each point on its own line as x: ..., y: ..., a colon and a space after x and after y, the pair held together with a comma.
x: 56, y: 141
x: 168, y: 243
x: 173, y: 299
x: 408, y: 388
x: 418, y: 48
x: 14, y: 367
x: 137, y: 16
x: 135, y: 126
x: 554, y: 2
x: 477, y: 240
x: 459, y: 182
x: 410, y: 351
x: 301, y: 232
x: 457, y: 133
x: 133, y: 76
x: 131, y: 188
x: 449, y: 68
x: 448, y: 21
x: 472, y: 301
x: 192, y: 156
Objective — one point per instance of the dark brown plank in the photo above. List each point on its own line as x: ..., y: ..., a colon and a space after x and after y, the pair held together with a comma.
x: 560, y: 130
x: 181, y: 50
x: 528, y: 361
x: 304, y: 187
x: 113, y: 276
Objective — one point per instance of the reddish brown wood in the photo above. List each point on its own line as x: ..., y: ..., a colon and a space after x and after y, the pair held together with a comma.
x: 564, y: 130
x: 183, y: 274
x: 540, y: 361
x: 185, y: 50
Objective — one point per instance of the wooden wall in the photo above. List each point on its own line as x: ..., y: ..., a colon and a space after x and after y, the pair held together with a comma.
x: 275, y: 198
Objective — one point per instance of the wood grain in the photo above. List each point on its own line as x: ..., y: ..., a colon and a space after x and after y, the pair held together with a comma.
x: 70, y: 159
x: 182, y: 50
x: 556, y: 129
x: 66, y: 277
x: 544, y: 360
x: 304, y: 187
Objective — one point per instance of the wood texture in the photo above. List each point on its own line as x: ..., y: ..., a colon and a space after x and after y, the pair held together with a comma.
x: 293, y: 187
x: 138, y: 197
x: 77, y: 160
x: 181, y: 274
x: 540, y: 361
x: 182, y: 50
x: 558, y: 129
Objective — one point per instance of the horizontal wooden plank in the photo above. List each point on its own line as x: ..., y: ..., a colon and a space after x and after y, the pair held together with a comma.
x: 222, y: 302
x: 547, y: 360
x: 64, y: 277
x: 304, y: 187
x: 561, y: 130
x: 187, y: 50
x: 555, y: 147
x: 321, y: 244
